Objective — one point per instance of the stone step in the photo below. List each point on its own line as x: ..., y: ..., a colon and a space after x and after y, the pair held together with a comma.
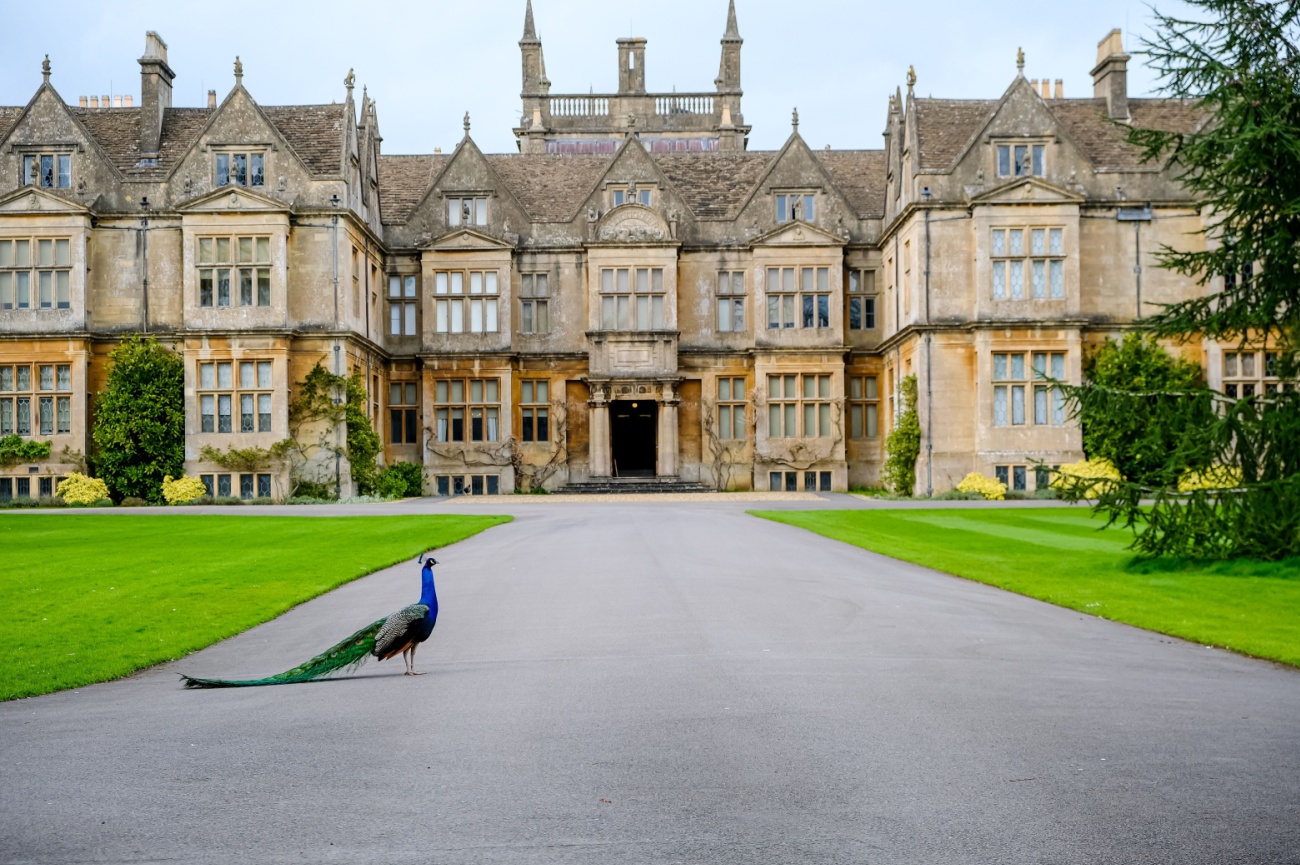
x: 628, y: 486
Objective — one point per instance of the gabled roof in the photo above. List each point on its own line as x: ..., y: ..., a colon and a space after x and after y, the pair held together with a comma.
x: 403, y: 180
x: 315, y: 132
x: 714, y: 185
x: 860, y: 176
x: 552, y: 186
x: 944, y: 127
x: 8, y: 116
x: 116, y: 131
x: 1103, y: 141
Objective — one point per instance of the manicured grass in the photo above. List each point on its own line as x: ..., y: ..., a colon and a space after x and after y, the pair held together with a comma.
x: 87, y: 598
x: 1059, y: 556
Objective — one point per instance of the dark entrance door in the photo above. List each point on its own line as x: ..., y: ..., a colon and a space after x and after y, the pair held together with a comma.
x: 632, y: 437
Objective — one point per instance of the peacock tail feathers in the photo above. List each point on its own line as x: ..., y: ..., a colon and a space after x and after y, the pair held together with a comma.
x: 346, y: 655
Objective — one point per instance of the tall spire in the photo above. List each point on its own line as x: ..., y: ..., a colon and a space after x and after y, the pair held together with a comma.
x: 530, y: 31
x: 733, y: 32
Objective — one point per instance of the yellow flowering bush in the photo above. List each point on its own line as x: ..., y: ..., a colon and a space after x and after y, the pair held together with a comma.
x: 182, y: 489
x: 1216, y: 477
x: 1089, y: 476
x: 78, y: 489
x: 990, y: 488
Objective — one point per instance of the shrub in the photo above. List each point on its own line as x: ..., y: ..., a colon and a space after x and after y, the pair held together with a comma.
x: 133, y: 502
x: 1216, y: 477
x: 317, y: 492
x: 1086, y: 479
x: 139, y: 430
x: 227, y: 500
x: 51, y: 502
x: 15, y: 449
x: 183, y: 489
x: 990, y: 488
x: 400, y: 480
x: 903, y: 445
x: 78, y: 489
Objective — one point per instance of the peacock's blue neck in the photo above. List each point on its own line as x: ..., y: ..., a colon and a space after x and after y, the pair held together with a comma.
x: 428, y: 596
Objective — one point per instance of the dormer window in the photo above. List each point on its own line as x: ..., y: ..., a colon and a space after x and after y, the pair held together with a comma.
x: 795, y: 207
x: 467, y: 211
x: 1021, y: 160
x: 241, y: 169
x: 48, y: 170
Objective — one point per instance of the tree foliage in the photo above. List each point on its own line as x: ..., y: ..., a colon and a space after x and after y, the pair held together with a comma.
x: 1240, y: 64
x: 1135, y: 441
x: 139, y: 429
x: 15, y: 449
x: 903, y: 444
x: 318, y: 399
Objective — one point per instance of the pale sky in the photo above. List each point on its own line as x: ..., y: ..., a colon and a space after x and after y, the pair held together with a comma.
x: 426, y: 64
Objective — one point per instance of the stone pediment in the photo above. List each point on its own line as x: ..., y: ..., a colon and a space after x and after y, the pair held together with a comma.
x: 799, y: 234
x: 1028, y: 190
x: 633, y: 223
x: 33, y: 199
x: 467, y: 239
x: 236, y: 198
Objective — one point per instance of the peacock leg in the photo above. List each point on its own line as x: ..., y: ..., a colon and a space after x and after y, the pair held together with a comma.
x: 406, y: 659
x: 414, y: 672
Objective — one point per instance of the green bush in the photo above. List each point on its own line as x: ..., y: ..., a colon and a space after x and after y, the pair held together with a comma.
x: 903, y: 445
x: 15, y: 449
x: 133, y: 502
x: 401, y: 480
x: 315, y: 491
x: 139, y: 430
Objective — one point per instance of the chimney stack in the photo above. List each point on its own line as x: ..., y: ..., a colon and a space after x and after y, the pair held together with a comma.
x: 1047, y: 89
x: 83, y: 101
x: 212, y: 99
x: 106, y: 102
x: 1060, y: 89
x: 94, y: 102
x: 117, y: 101
x: 128, y: 101
x: 1110, y: 77
x: 155, y: 92
x: 631, y: 66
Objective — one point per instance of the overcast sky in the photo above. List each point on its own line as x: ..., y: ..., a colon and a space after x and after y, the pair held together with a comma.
x: 428, y: 63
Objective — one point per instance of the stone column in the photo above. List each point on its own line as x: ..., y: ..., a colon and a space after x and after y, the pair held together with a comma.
x: 666, y: 465
x: 601, y: 461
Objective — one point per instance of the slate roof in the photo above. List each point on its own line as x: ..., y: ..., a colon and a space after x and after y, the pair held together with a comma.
x: 7, y: 117
x: 860, y: 175
x: 551, y: 187
x: 1104, y: 142
x: 945, y: 126
x: 315, y: 132
x: 714, y: 184
x: 403, y: 180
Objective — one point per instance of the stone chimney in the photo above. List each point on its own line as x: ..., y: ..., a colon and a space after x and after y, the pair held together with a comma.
x: 1110, y: 77
x: 84, y: 102
x: 212, y: 99
x: 155, y: 92
x: 1060, y: 89
x: 631, y: 66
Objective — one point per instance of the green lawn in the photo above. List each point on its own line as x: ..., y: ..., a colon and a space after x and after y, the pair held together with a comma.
x: 1057, y: 555
x: 87, y: 597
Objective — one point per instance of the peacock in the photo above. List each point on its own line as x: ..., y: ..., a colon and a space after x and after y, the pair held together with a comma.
x: 402, y: 632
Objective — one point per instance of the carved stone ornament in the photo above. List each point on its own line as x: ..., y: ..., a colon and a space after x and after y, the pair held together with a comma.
x: 633, y: 224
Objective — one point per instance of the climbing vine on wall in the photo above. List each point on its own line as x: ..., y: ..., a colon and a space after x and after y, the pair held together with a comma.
x: 903, y: 445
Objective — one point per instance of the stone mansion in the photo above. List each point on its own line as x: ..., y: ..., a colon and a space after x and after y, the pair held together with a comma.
x: 634, y: 293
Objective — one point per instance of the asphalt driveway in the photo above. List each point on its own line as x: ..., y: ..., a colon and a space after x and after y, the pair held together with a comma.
x: 646, y: 683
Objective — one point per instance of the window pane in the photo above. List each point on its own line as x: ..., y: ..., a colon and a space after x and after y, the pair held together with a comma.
x: 264, y: 373
x: 999, y: 406
x: 65, y: 414
x: 787, y: 310
x: 246, y: 375
x: 1021, y: 152
x: 657, y: 313
x: 458, y: 316
x: 246, y: 412
x: 871, y: 421
x: 1056, y: 243
x: 1038, y: 241
x: 245, y: 245
x: 394, y: 319
x: 1058, y: 367
x: 224, y: 375
x: 223, y: 413
x: 773, y: 312
x: 1017, y: 366
x: 1038, y: 160
x: 1017, y: 280
x: 1040, y: 405
x: 1058, y: 406
x: 781, y: 212
x: 65, y: 172
x: 809, y: 208
x: 999, y: 280
x: 1004, y: 161
x: 1016, y: 237
x: 480, y: 211
x: 824, y: 419
x: 790, y: 429
x: 410, y: 319
x: 622, y: 280
x: 1017, y: 405
x: 264, y: 412
x: 624, y: 312
x: 223, y: 288
x: 457, y: 282
x: 1057, y: 270
x: 823, y: 310
x: 1040, y: 279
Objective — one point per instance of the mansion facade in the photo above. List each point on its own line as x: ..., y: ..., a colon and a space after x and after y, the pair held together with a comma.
x: 634, y: 293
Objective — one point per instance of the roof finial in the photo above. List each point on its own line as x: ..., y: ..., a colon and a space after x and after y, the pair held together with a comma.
x: 733, y: 32
x: 350, y: 80
x: 911, y: 79
x: 239, y: 70
x: 45, y: 69
x: 467, y: 124
x: 794, y: 120
x: 1020, y: 62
